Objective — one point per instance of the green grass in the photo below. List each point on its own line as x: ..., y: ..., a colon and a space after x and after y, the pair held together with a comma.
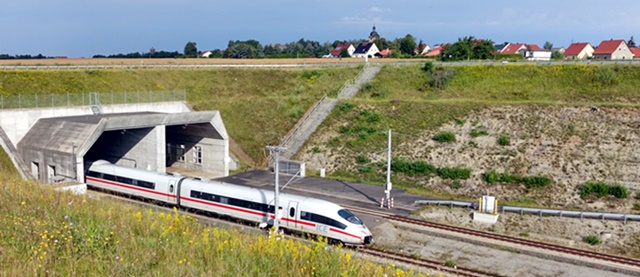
x: 592, y: 239
x: 571, y: 84
x: 48, y: 233
x: 7, y: 170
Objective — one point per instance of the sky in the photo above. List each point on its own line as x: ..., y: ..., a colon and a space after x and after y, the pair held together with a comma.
x: 83, y: 28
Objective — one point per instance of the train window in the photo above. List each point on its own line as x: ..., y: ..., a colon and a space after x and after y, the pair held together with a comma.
x: 109, y: 177
x: 292, y: 212
x: 304, y: 215
x: 196, y: 194
x: 124, y: 180
x: 224, y: 200
x: 322, y: 220
x: 95, y: 174
x: 349, y: 216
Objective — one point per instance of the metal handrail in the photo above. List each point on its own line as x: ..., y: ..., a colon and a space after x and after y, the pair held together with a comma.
x: 539, y: 211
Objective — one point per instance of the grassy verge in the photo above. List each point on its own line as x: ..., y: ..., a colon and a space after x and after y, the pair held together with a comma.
x: 48, y: 233
x: 7, y: 170
x: 569, y: 84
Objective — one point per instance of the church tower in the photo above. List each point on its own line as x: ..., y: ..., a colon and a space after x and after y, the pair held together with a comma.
x: 373, y: 36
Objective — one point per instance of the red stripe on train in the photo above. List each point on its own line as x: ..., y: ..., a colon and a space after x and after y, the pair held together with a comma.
x: 129, y: 187
x: 215, y: 205
x: 345, y: 233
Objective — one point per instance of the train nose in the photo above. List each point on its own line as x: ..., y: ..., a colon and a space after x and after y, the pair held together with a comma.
x: 368, y: 240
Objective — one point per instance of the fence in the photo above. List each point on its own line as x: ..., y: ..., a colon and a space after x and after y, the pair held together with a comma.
x: 23, y: 101
x: 538, y: 211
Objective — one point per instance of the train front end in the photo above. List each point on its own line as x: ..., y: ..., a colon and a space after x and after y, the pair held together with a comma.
x: 362, y: 234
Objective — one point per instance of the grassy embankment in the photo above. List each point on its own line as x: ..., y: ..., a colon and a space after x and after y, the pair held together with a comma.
x: 258, y: 106
x: 49, y: 233
x: 401, y: 98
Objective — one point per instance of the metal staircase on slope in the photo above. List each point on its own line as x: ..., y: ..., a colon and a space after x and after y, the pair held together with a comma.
x: 319, y: 112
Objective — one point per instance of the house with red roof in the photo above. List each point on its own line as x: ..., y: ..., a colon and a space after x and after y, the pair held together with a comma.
x: 336, y: 51
x: 531, y: 52
x: 636, y: 52
x: 515, y: 48
x: 384, y: 53
x: 422, y: 49
x: 579, y: 51
x: 613, y: 50
x: 435, y: 51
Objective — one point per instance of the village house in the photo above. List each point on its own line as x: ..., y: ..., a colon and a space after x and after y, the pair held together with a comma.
x: 579, y: 51
x: 365, y: 50
x: 613, y: 50
x: 336, y: 51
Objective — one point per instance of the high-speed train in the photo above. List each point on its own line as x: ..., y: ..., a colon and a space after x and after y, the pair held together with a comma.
x: 298, y: 213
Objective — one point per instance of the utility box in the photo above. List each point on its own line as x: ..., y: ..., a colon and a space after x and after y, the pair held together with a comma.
x: 488, y: 204
x: 487, y: 210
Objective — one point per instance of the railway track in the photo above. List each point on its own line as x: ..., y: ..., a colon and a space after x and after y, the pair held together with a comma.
x: 625, y: 261
x: 424, y: 263
x: 519, y: 241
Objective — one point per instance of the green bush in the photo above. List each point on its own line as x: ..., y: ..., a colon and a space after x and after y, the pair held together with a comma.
x: 345, y: 107
x: 619, y: 191
x: 445, y: 136
x: 592, y: 239
x: 369, y: 117
x: 491, y: 176
x: 450, y: 264
x: 423, y: 168
x: 529, y: 182
x: 535, y: 181
x: 600, y: 189
x: 636, y: 206
x: 504, y: 140
x: 362, y: 159
x: 454, y: 173
x: 428, y: 66
x: 459, y: 121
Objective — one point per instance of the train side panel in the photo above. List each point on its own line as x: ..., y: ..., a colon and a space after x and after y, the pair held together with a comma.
x: 135, y: 182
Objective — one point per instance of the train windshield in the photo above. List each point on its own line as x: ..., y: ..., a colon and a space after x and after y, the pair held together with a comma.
x: 349, y: 216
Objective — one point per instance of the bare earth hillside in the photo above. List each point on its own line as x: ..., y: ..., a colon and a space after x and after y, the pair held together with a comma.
x: 571, y: 145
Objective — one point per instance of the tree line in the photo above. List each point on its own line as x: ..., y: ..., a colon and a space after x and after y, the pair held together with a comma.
x: 466, y: 48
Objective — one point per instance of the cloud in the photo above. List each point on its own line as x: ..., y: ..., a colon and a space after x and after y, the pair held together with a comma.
x: 359, y: 20
x: 375, y: 9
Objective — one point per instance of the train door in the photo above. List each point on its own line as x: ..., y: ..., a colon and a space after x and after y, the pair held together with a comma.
x: 293, y: 215
x: 172, y: 191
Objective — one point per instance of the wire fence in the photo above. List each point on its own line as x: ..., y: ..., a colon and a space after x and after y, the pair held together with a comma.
x: 53, y: 100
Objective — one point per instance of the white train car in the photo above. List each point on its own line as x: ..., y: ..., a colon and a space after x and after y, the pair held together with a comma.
x: 308, y: 215
x: 142, y: 183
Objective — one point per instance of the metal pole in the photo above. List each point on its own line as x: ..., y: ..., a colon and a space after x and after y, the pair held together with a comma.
x: 276, y: 210
x: 387, y: 190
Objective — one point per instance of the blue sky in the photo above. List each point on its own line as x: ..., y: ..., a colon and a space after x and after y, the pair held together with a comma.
x: 83, y: 28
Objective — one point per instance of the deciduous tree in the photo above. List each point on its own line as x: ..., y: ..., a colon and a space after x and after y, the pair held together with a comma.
x: 190, y: 50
